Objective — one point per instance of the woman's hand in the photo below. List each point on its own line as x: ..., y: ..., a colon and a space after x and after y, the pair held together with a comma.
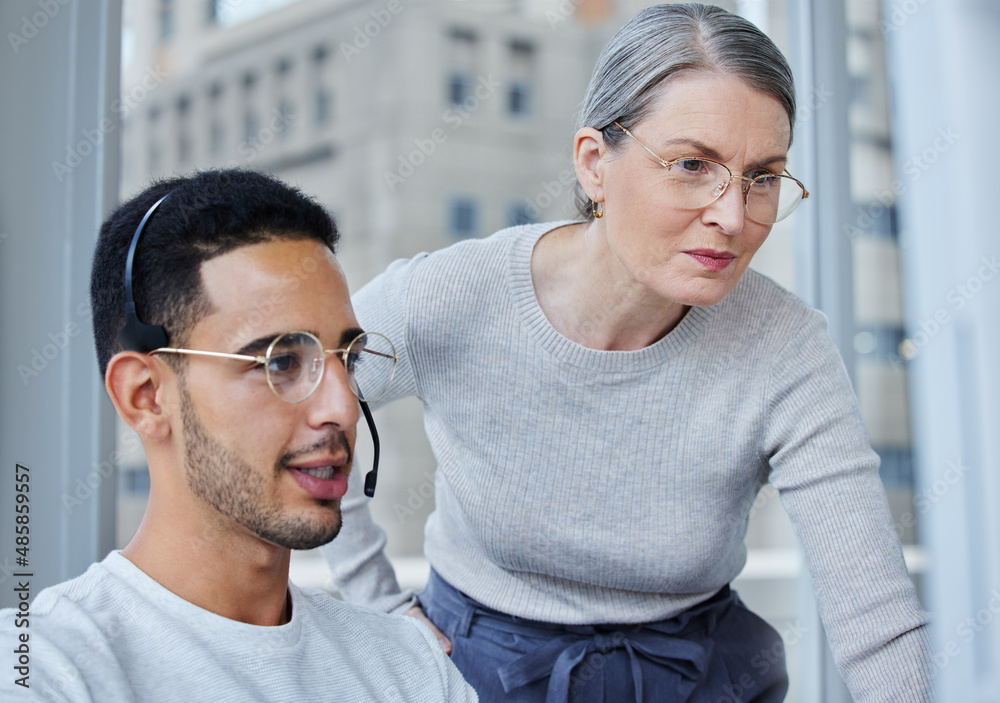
x: 418, y: 613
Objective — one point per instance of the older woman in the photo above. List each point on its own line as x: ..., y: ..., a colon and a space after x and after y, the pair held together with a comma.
x: 606, y: 397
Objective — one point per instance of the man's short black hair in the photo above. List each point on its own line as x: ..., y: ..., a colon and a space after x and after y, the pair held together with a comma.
x: 206, y: 215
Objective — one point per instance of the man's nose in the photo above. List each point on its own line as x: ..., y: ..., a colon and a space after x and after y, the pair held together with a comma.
x: 334, y: 403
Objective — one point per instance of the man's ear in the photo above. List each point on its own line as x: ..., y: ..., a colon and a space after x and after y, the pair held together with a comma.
x: 589, y: 153
x: 133, y: 382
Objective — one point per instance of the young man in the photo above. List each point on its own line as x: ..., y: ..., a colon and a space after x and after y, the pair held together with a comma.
x: 248, y: 426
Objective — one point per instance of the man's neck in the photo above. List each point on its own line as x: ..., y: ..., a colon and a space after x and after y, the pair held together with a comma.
x: 226, y: 571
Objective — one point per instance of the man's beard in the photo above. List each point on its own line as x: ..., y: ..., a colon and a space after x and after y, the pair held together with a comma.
x: 242, y: 493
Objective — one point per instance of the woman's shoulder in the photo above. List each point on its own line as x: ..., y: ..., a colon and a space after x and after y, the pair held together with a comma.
x: 761, y: 295
x: 470, y: 262
x: 760, y: 310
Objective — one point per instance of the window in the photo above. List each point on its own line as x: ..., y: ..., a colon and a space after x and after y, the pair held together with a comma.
x: 154, y: 154
x: 323, y: 106
x: 459, y: 88
x: 520, y: 214
x: 522, y: 73
x: 216, y: 127
x: 517, y: 102
x: 136, y: 481
x: 251, y: 123
x: 322, y: 95
x: 463, y: 49
x: 463, y: 218
x: 185, y: 146
x: 216, y: 137
x: 283, y: 90
x: 251, y: 126
x: 166, y: 20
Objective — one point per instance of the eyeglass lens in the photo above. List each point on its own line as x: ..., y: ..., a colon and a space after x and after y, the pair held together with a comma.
x: 696, y: 183
x: 296, y: 361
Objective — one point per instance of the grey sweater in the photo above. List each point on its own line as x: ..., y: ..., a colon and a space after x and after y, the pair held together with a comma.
x: 582, y: 486
x: 115, y: 635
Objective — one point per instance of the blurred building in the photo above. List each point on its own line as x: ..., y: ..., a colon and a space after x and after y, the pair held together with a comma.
x: 421, y: 123
x: 416, y: 123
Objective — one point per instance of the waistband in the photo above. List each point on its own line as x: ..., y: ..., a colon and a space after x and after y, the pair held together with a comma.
x: 681, y: 644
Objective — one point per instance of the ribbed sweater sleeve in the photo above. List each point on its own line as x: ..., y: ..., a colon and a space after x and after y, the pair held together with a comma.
x: 827, y: 475
x: 356, y: 558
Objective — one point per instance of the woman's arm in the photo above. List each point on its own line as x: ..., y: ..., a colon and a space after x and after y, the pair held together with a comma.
x: 356, y: 557
x: 827, y: 474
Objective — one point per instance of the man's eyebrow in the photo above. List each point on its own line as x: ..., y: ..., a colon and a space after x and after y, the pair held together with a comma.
x: 706, y: 150
x: 348, y: 335
x: 258, y: 346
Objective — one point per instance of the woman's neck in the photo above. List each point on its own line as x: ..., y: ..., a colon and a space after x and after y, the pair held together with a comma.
x: 588, y: 296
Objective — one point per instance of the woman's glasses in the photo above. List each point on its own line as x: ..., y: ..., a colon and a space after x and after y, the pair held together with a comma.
x: 695, y: 182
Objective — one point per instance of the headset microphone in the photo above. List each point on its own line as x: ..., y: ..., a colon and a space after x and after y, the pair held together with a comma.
x: 137, y: 335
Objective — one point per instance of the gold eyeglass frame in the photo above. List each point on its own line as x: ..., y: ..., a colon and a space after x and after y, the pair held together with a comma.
x: 746, y: 189
x: 326, y: 353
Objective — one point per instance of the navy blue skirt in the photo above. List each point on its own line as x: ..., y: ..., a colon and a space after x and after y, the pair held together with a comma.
x: 716, y: 652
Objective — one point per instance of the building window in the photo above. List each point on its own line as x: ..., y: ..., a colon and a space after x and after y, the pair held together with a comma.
x: 324, y: 106
x: 459, y: 88
x: 520, y: 214
x: 216, y: 137
x: 251, y: 124
x: 463, y: 218
x: 166, y: 20
x: 522, y: 75
x: 517, y: 102
x: 323, y: 95
x: 154, y: 155
x: 154, y: 158
x: 136, y: 481
x: 285, y: 106
x: 185, y: 146
x: 216, y: 128
x: 463, y: 59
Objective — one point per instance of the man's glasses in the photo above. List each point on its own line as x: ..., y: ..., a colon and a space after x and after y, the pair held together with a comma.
x: 294, y: 364
x: 295, y: 361
x: 695, y: 182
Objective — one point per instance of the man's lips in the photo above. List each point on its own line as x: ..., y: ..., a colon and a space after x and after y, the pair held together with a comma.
x: 711, y: 259
x: 322, y: 477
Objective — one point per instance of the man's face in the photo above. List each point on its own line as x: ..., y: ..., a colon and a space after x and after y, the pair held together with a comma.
x: 273, y: 468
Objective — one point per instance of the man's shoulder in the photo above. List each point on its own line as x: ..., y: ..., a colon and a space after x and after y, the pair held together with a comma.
x: 352, y: 619
x: 394, y: 654
x: 67, y: 629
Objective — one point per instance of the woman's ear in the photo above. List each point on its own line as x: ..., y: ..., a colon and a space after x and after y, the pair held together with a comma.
x: 589, y: 153
x: 133, y: 381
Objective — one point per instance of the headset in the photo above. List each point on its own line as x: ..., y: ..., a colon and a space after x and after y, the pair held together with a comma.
x: 138, y: 336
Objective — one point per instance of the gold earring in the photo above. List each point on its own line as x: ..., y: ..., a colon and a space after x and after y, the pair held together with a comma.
x: 597, y: 209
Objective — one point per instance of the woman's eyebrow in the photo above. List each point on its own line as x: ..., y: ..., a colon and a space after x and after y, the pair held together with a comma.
x: 704, y: 149
x: 711, y: 153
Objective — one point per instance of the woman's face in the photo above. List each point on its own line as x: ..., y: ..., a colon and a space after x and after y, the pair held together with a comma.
x: 692, y: 257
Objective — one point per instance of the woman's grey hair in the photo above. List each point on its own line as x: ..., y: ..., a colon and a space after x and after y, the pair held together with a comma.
x: 663, y: 41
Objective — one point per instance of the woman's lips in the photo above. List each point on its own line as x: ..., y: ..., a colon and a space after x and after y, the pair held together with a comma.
x: 711, y: 259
